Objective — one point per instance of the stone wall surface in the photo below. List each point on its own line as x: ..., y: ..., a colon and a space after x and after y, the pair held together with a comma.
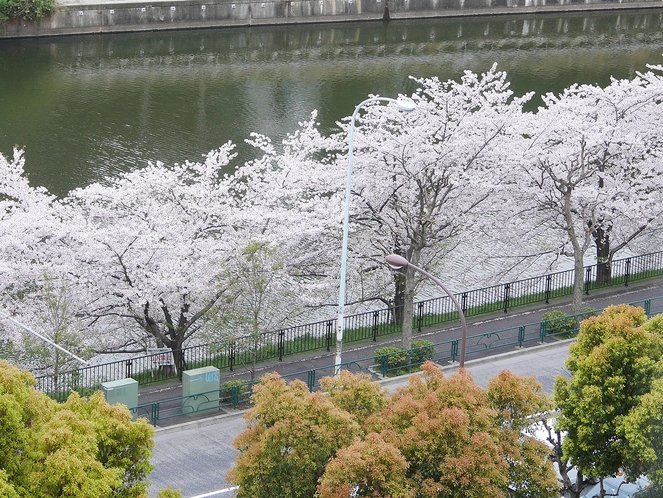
x: 92, y: 16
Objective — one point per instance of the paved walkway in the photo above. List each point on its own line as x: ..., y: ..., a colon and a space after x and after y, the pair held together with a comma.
x: 196, y: 455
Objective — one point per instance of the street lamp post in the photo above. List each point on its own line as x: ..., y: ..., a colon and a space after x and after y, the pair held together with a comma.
x: 396, y: 262
x: 404, y: 105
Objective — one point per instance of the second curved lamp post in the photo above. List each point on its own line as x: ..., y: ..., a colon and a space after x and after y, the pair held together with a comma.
x: 397, y: 262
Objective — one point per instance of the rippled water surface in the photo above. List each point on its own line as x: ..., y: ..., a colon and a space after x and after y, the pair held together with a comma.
x: 87, y: 107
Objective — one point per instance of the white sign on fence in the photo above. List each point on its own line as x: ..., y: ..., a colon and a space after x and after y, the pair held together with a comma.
x: 161, y: 357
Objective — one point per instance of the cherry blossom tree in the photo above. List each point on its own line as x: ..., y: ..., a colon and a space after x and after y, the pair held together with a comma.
x: 151, y: 247
x: 144, y: 252
x: 27, y: 220
x: 422, y: 180
x: 590, y: 173
x: 28, y: 293
x: 289, y: 197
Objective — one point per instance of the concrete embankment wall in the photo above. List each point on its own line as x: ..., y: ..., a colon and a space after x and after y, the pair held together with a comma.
x: 92, y: 16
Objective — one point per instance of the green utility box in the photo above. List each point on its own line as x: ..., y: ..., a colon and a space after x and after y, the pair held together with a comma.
x: 121, y: 392
x: 200, y: 390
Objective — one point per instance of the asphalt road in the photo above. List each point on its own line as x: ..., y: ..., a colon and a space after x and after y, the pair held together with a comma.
x: 195, y: 456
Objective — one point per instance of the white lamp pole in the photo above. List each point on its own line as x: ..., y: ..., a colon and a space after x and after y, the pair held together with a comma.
x: 405, y: 106
x: 396, y: 262
x: 5, y: 315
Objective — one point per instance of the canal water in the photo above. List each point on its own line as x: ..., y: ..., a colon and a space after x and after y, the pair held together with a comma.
x: 87, y: 107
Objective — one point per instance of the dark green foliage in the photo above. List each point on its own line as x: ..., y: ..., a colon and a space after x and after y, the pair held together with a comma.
x: 422, y: 350
x: 559, y: 323
x: 396, y: 361
x: 234, y: 392
x: 29, y: 10
x: 394, y: 357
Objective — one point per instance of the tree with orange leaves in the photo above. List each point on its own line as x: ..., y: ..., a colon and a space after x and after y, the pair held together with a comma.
x: 436, y: 437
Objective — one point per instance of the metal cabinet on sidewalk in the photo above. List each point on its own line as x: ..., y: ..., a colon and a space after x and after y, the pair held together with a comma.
x: 200, y: 390
x: 123, y: 391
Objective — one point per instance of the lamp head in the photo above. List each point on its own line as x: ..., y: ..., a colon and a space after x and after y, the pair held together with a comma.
x: 396, y: 262
x: 406, y: 105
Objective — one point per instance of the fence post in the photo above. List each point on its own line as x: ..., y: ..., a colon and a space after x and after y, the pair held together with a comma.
x: 454, y: 350
x: 521, y: 336
x: 128, y: 364
x: 548, y: 289
x: 180, y: 363
x: 155, y: 413
x: 281, y: 344
x: 231, y: 356
x: 507, y: 287
x: 420, y: 316
x: 384, y: 365
x: 628, y: 271
x: 234, y: 393
x: 311, y: 380
x: 543, y: 330
x: 588, y: 276
x: 647, y: 306
x: 463, y: 305
x: 376, y: 320
x: 330, y: 327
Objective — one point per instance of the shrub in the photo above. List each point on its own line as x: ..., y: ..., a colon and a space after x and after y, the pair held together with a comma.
x: 29, y: 10
x: 169, y: 492
x: 240, y: 387
x: 396, y: 357
x: 422, y: 350
x: 559, y: 323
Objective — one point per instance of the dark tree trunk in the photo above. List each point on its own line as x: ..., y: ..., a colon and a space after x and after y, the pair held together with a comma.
x: 603, y: 259
x: 180, y: 362
x: 399, y: 298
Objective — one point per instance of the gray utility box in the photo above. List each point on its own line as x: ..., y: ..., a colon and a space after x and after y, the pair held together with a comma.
x: 200, y: 390
x: 121, y: 392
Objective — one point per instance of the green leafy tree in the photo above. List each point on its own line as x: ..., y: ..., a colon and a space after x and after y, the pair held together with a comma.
x: 292, y: 435
x: 263, y: 300
x: 356, y: 394
x: 371, y: 468
x: 83, y: 448
x: 611, y: 406
x: 436, y: 437
x: 516, y: 399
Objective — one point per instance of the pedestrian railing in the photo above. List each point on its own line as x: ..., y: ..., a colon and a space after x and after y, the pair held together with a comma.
x: 320, y: 336
x: 385, y: 365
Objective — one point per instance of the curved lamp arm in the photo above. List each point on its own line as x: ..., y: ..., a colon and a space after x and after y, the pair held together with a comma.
x: 397, y: 262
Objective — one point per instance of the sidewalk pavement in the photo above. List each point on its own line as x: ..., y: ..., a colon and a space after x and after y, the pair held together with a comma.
x: 196, y: 455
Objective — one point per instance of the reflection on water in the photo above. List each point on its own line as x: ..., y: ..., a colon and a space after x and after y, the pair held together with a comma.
x: 87, y: 107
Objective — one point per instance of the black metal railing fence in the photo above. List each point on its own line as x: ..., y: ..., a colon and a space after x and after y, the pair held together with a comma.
x: 276, y: 345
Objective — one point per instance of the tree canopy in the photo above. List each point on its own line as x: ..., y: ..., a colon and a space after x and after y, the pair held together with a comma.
x: 611, y: 408
x: 83, y: 448
x: 147, y: 258
x: 436, y: 437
